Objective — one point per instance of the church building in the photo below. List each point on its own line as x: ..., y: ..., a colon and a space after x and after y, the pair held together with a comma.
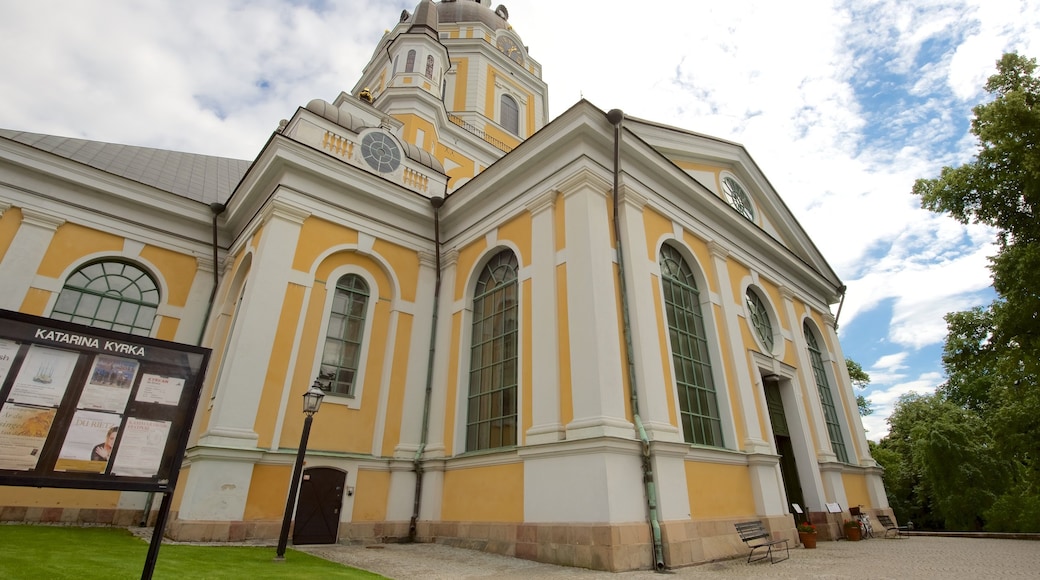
x: 596, y: 340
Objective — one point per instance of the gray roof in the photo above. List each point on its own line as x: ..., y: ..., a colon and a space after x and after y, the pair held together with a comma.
x: 199, y: 177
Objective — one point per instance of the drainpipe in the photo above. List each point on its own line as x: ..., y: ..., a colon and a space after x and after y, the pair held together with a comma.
x: 217, y: 209
x: 841, y: 290
x: 437, y: 202
x: 616, y: 116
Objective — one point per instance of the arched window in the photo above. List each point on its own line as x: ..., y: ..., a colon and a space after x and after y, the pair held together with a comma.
x: 342, y: 354
x: 830, y: 413
x: 114, y: 295
x: 491, y: 415
x: 429, y: 66
x: 510, y: 114
x: 409, y: 63
x: 698, y: 403
x: 760, y: 319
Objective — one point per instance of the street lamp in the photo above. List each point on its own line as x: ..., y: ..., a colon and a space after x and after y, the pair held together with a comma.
x: 311, y: 401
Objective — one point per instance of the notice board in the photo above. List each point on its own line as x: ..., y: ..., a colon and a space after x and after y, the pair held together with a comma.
x: 82, y: 407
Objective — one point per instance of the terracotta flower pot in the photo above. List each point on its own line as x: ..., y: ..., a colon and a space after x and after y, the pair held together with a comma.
x: 808, y: 540
x: 853, y: 534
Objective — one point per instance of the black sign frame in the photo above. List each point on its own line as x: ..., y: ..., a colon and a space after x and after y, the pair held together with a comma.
x: 163, y: 381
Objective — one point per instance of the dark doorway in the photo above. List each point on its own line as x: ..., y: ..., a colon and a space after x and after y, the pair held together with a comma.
x: 317, y: 511
x: 782, y: 437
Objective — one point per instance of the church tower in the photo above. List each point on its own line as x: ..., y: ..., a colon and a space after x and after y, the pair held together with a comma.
x: 460, y: 80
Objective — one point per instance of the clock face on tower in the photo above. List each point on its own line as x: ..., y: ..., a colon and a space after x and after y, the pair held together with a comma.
x: 380, y: 152
x: 510, y: 49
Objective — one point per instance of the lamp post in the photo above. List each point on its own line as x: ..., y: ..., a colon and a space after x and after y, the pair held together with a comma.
x: 311, y: 401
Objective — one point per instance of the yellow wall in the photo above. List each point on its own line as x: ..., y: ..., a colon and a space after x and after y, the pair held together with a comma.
x: 9, y: 223
x: 719, y: 490
x: 461, y: 66
x: 278, y: 366
x: 268, y: 489
x: 856, y: 489
x: 55, y: 497
x: 484, y: 494
x: 371, y: 496
x: 178, y: 271
x: 398, y: 374
x: 70, y: 243
x: 314, y: 239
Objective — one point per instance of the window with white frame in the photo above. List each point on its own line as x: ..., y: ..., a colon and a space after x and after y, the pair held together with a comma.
x: 341, y: 356
x: 698, y: 401
x: 491, y: 415
x: 760, y: 319
x: 510, y: 114
x: 830, y: 412
x: 409, y: 63
x: 109, y: 294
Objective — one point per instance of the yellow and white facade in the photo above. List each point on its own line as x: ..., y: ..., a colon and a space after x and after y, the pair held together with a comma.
x: 447, y: 260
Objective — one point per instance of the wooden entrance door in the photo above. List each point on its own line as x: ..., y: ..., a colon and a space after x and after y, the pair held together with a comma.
x: 317, y: 511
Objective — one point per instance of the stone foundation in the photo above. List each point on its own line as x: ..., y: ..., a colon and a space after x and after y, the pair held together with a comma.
x: 65, y: 515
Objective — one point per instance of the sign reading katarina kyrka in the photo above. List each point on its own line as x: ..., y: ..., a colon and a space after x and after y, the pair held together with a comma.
x: 89, y: 408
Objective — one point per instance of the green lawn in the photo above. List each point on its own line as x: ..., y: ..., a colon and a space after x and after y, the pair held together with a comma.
x: 59, y: 552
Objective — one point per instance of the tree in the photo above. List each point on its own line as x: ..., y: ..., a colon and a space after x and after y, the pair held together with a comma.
x: 992, y: 354
x: 860, y: 379
x: 1001, y: 189
x: 940, y: 469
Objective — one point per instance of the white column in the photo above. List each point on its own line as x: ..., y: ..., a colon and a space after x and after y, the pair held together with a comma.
x: 597, y: 389
x: 19, y: 265
x: 545, y: 390
x: 418, y: 367
x: 446, y: 352
x: 242, y: 381
x: 651, y: 388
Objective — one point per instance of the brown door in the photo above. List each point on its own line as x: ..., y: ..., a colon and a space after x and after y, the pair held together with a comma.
x: 317, y: 511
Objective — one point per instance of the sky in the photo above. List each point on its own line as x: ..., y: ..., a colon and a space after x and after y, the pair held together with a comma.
x: 842, y: 104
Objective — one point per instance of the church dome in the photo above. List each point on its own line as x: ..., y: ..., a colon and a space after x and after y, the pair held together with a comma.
x: 455, y: 11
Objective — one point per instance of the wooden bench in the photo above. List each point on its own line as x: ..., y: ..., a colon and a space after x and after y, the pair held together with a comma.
x: 891, y: 526
x: 755, y: 535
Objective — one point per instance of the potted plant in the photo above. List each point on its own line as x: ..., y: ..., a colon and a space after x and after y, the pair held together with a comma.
x: 807, y: 535
x: 853, y: 533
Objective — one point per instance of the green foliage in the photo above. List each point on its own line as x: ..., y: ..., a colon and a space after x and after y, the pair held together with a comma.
x: 860, y: 379
x: 968, y: 456
x: 62, y: 552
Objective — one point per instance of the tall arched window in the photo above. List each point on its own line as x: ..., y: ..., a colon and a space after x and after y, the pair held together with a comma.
x: 429, y: 66
x: 491, y: 409
x: 830, y: 413
x: 409, y: 63
x: 698, y: 403
x: 109, y: 294
x: 510, y: 114
x: 343, y: 339
x: 760, y: 319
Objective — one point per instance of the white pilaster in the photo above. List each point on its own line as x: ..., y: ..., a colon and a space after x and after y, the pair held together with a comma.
x: 446, y: 353
x: 596, y: 368
x: 418, y: 367
x: 238, y: 397
x: 652, y: 390
x: 545, y: 396
x: 20, y: 263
